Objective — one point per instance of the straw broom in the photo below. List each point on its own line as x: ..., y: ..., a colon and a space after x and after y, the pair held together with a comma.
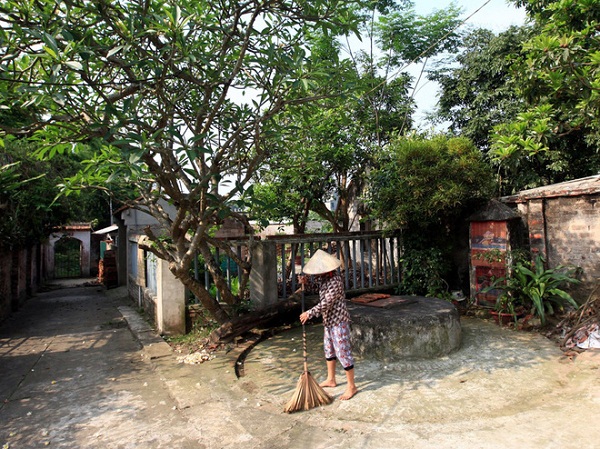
x: 309, y: 393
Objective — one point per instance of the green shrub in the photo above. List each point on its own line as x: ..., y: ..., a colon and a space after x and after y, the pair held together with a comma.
x: 538, y: 289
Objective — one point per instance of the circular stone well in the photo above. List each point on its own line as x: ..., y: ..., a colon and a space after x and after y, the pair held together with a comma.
x: 412, y: 327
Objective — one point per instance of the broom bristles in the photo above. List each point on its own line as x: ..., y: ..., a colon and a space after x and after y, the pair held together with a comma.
x: 308, y: 394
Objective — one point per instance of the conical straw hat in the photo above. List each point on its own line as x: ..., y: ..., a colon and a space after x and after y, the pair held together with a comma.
x: 321, y: 262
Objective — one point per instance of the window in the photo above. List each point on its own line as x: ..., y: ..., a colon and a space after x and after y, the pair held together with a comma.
x: 151, y: 263
x: 133, y: 260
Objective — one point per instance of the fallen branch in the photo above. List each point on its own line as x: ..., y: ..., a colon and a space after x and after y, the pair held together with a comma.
x: 587, y: 316
x: 278, y: 314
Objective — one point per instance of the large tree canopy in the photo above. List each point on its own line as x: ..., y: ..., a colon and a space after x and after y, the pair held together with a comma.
x: 479, y: 92
x: 336, y: 144
x: 557, y: 137
x: 334, y: 148
x: 183, y: 96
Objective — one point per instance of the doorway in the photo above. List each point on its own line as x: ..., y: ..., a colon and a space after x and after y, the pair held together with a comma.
x: 67, y: 258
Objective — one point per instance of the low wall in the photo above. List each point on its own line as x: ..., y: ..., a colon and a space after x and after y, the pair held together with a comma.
x: 142, y: 297
x: 5, y: 284
x: 421, y: 328
x: 166, y: 306
x: 21, y: 273
x: 567, y: 231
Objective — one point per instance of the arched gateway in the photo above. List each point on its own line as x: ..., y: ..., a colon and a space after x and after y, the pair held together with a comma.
x: 69, y: 251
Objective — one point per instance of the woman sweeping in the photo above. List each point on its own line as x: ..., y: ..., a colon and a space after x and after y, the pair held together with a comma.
x: 336, y: 319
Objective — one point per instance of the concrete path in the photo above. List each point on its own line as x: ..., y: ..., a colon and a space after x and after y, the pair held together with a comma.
x: 79, y: 368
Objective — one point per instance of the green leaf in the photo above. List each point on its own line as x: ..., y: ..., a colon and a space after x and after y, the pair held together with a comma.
x: 51, y: 52
x: 50, y: 43
x: 75, y: 65
x: 114, y: 51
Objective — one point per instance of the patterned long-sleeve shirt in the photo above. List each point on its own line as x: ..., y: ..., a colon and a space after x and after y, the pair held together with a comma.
x: 332, y: 301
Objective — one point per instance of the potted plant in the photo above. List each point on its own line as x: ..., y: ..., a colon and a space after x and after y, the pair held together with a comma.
x: 530, y: 287
x: 507, y: 309
x: 543, y: 287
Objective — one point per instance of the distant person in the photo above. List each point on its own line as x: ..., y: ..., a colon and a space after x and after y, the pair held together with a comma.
x: 336, y: 319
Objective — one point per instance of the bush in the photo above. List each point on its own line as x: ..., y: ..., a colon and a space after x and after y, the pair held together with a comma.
x: 539, y: 290
x: 426, y: 188
x: 421, y: 182
x: 423, y: 272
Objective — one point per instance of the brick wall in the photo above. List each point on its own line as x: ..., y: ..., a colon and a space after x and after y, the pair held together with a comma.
x: 573, y: 234
x: 5, y: 284
x: 21, y: 273
x: 567, y: 230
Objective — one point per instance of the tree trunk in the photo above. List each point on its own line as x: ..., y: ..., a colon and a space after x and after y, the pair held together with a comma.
x: 283, y: 312
x: 214, y: 268
x: 208, y: 302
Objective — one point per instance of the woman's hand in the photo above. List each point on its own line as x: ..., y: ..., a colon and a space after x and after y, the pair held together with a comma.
x: 304, y: 317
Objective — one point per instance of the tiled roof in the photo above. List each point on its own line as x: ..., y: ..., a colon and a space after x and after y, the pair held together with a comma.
x: 75, y: 227
x: 576, y: 187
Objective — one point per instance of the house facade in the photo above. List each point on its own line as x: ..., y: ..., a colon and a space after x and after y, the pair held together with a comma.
x: 149, y: 281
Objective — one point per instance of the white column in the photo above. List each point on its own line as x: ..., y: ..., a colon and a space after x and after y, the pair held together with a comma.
x: 170, y: 301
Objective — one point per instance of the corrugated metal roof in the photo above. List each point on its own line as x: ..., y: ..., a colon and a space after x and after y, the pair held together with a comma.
x: 576, y: 187
x: 106, y: 230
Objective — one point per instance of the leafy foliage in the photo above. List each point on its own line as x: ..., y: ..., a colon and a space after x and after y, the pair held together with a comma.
x: 424, y: 182
x: 480, y: 92
x: 29, y: 209
x: 423, y: 269
x: 182, y: 96
x: 335, y: 145
x: 557, y: 136
x: 426, y: 188
x: 328, y: 159
x: 536, y: 288
x: 406, y: 36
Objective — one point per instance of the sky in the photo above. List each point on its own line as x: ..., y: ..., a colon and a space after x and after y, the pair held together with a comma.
x: 495, y: 15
